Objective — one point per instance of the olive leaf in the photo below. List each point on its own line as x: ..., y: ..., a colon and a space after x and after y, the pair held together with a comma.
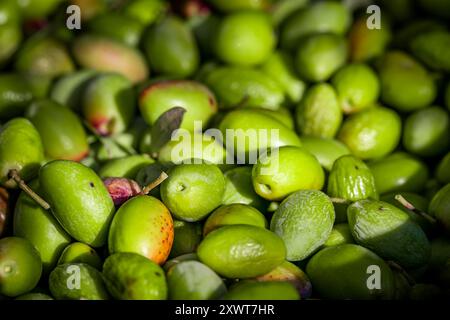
x: 115, y: 148
x: 161, y: 131
x: 109, y: 143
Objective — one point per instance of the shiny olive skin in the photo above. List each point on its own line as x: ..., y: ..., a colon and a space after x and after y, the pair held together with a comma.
x: 15, y: 95
x: 117, y: 26
x: 40, y: 227
x: 125, y: 167
x: 389, y: 232
x: 280, y: 66
x: 366, y: 44
x: 198, y: 101
x: 241, y: 251
x: 427, y: 132
x: 21, y: 149
x: 326, y: 150
x: 312, y: 160
x: 129, y: 276
x: 285, y: 170
x: 44, y: 56
x: 234, y: 214
x: 433, y: 48
x: 90, y: 8
x: 145, y: 11
x: 142, y: 225
x: 237, y: 5
x: 10, y: 39
x: 61, y: 130
x: 350, y: 262
x: 239, y: 189
x: 320, y: 55
x: 184, y: 147
x: 10, y: 11
x: 244, y: 38
x: 91, y: 283
x: 372, y: 133
x: 104, y: 54
x: 323, y: 17
x: 79, y: 200
x: 248, y: 87
x: 439, y: 207
x: 249, y: 290
x: 405, y: 84
x: 192, y: 191
x: 20, y: 266
x: 247, y: 121
x: 108, y: 103
x: 399, y: 172
x: 10, y: 30
x: 171, y: 49
x: 357, y: 87
x: 192, y: 280
x: 186, y: 238
x: 79, y: 252
x: 319, y: 112
x: 68, y: 89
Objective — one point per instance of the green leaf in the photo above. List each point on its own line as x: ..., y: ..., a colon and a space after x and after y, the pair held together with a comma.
x: 162, y: 130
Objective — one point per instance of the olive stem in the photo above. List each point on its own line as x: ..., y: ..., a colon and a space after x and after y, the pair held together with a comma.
x: 396, y: 266
x: 22, y: 185
x: 408, y: 205
x: 152, y: 185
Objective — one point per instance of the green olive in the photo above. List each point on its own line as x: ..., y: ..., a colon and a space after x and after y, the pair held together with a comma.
x: 372, y: 133
x: 357, y: 87
x: 320, y: 55
x: 245, y: 38
x: 427, y: 132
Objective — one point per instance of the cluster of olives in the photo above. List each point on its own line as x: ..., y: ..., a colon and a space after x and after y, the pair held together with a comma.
x: 349, y: 200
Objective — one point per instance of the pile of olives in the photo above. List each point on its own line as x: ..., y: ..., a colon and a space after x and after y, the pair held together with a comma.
x: 350, y: 200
